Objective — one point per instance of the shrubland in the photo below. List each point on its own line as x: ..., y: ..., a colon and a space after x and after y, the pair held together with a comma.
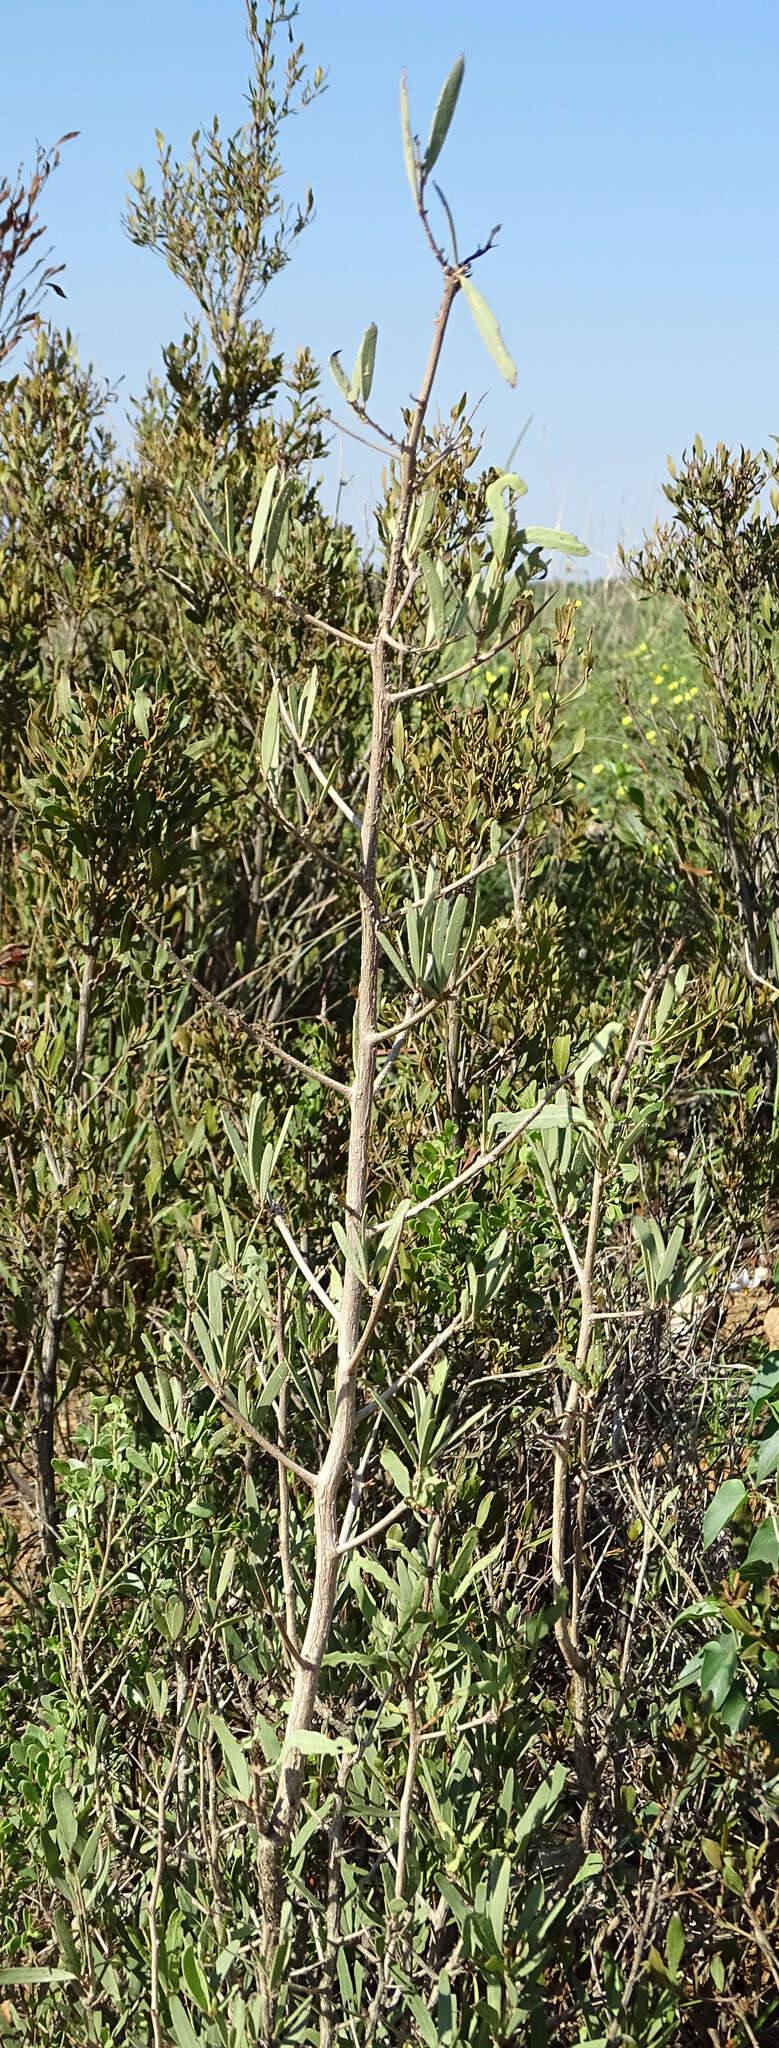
x: 389, y: 954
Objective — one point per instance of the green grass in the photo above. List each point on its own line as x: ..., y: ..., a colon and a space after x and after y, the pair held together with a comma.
x: 639, y: 645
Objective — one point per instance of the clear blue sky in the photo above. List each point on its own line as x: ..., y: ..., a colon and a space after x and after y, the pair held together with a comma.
x: 630, y: 154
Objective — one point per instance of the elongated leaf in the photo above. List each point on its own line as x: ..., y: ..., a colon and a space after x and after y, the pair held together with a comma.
x: 34, y: 1976
x: 269, y: 743
x: 182, y: 2024
x: 767, y: 1458
x: 230, y: 520
x: 409, y: 151
x: 311, y: 1742
x: 549, y: 537
x: 442, y: 118
x: 194, y: 1979
x: 490, y: 332
x: 148, y: 1398
x: 274, y: 537
x: 339, y: 375
x: 65, y: 1815
x: 233, y: 1755
x: 362, y: 378
x: 261, y: 515
x: 273, y: 1384
x: 424, y: 514
x: 239, y: 1149
x: 727, y: 1499
x: 208, y: 520
x: 435, y: 595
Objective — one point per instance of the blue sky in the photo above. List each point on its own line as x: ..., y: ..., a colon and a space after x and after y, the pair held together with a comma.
x: 630, y: 155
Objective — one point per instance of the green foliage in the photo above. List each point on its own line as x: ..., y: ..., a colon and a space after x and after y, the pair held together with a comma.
x: 275, y: 818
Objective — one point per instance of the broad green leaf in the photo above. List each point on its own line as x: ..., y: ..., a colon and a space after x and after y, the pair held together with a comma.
x: 719, y: 1665
x: 550, y: 537
x: 261, y: 515
x: 727, y: 1499
x: 546, y: 1797
x: 763, y: 1552
x: 234, y: 1756
x: 174, y: 1617
x: 362, y: 378
x: 490, y: 333
x: 442, y: 118
x: 423, y: 518
x: 767, y: 1457
x: 409, y: 151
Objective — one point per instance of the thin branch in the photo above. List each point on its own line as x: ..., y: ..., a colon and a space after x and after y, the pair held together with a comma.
x: 237, y: 1022
x: 352, y: 817
x: 301, y: 1261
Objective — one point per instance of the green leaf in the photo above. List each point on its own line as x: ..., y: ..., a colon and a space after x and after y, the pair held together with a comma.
x: 339, y: 375
x: 442, y: 118
x: 194, y: 1978
x: 65, y: 1815
x: 362, y: 378
x: 435, y: 595
x: 234, y: 1756
x: 269, y: 743
x: 174, y: 1617
x: 767, y: 1457
x: 182, y: 2024
x: 497, y: 1896
x: 34, y: 1976
x: 727, y: 1499
x: 490, y: 333
x: 719, y: 1664
x: 226, y: 1572
x: 674, y: 1944
x: 239, y: 1149
x: 311, y: 1742
x: 261, y: 515
x: 148, y: 1398
x: 550, y: 537
x: 273, y: 544
x: 409, y: 151
x: 763, y: 1552
x: 208, y: 520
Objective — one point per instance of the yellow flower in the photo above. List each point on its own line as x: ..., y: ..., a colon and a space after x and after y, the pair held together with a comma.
x: 598, y: 768
x: 651, y: 736
x: 694, y: 691
x: 654, y: 699
x: 659, y: 678
x: 627, y: 720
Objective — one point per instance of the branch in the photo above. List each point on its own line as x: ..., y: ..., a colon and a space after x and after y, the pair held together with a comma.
x: 237, y: 1022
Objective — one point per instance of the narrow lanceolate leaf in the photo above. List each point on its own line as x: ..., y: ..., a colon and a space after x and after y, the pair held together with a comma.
x: 276, y: 529
x: 442, y: 118
x: 261, y: 516
x: 233, y: 1756
x: 362, y: 379
x: 230, y: 521
x: 435, y: 595
x: 208, y: 519
x: 269, y: 744
x: 548, y: 537
x: 339, y: 376
x: 409, y: 151
x: 490, y: 331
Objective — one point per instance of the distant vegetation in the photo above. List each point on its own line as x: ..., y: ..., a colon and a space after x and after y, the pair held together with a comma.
x: 389, y: 1339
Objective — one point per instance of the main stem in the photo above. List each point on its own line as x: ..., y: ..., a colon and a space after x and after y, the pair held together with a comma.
x: 334, y: 1465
